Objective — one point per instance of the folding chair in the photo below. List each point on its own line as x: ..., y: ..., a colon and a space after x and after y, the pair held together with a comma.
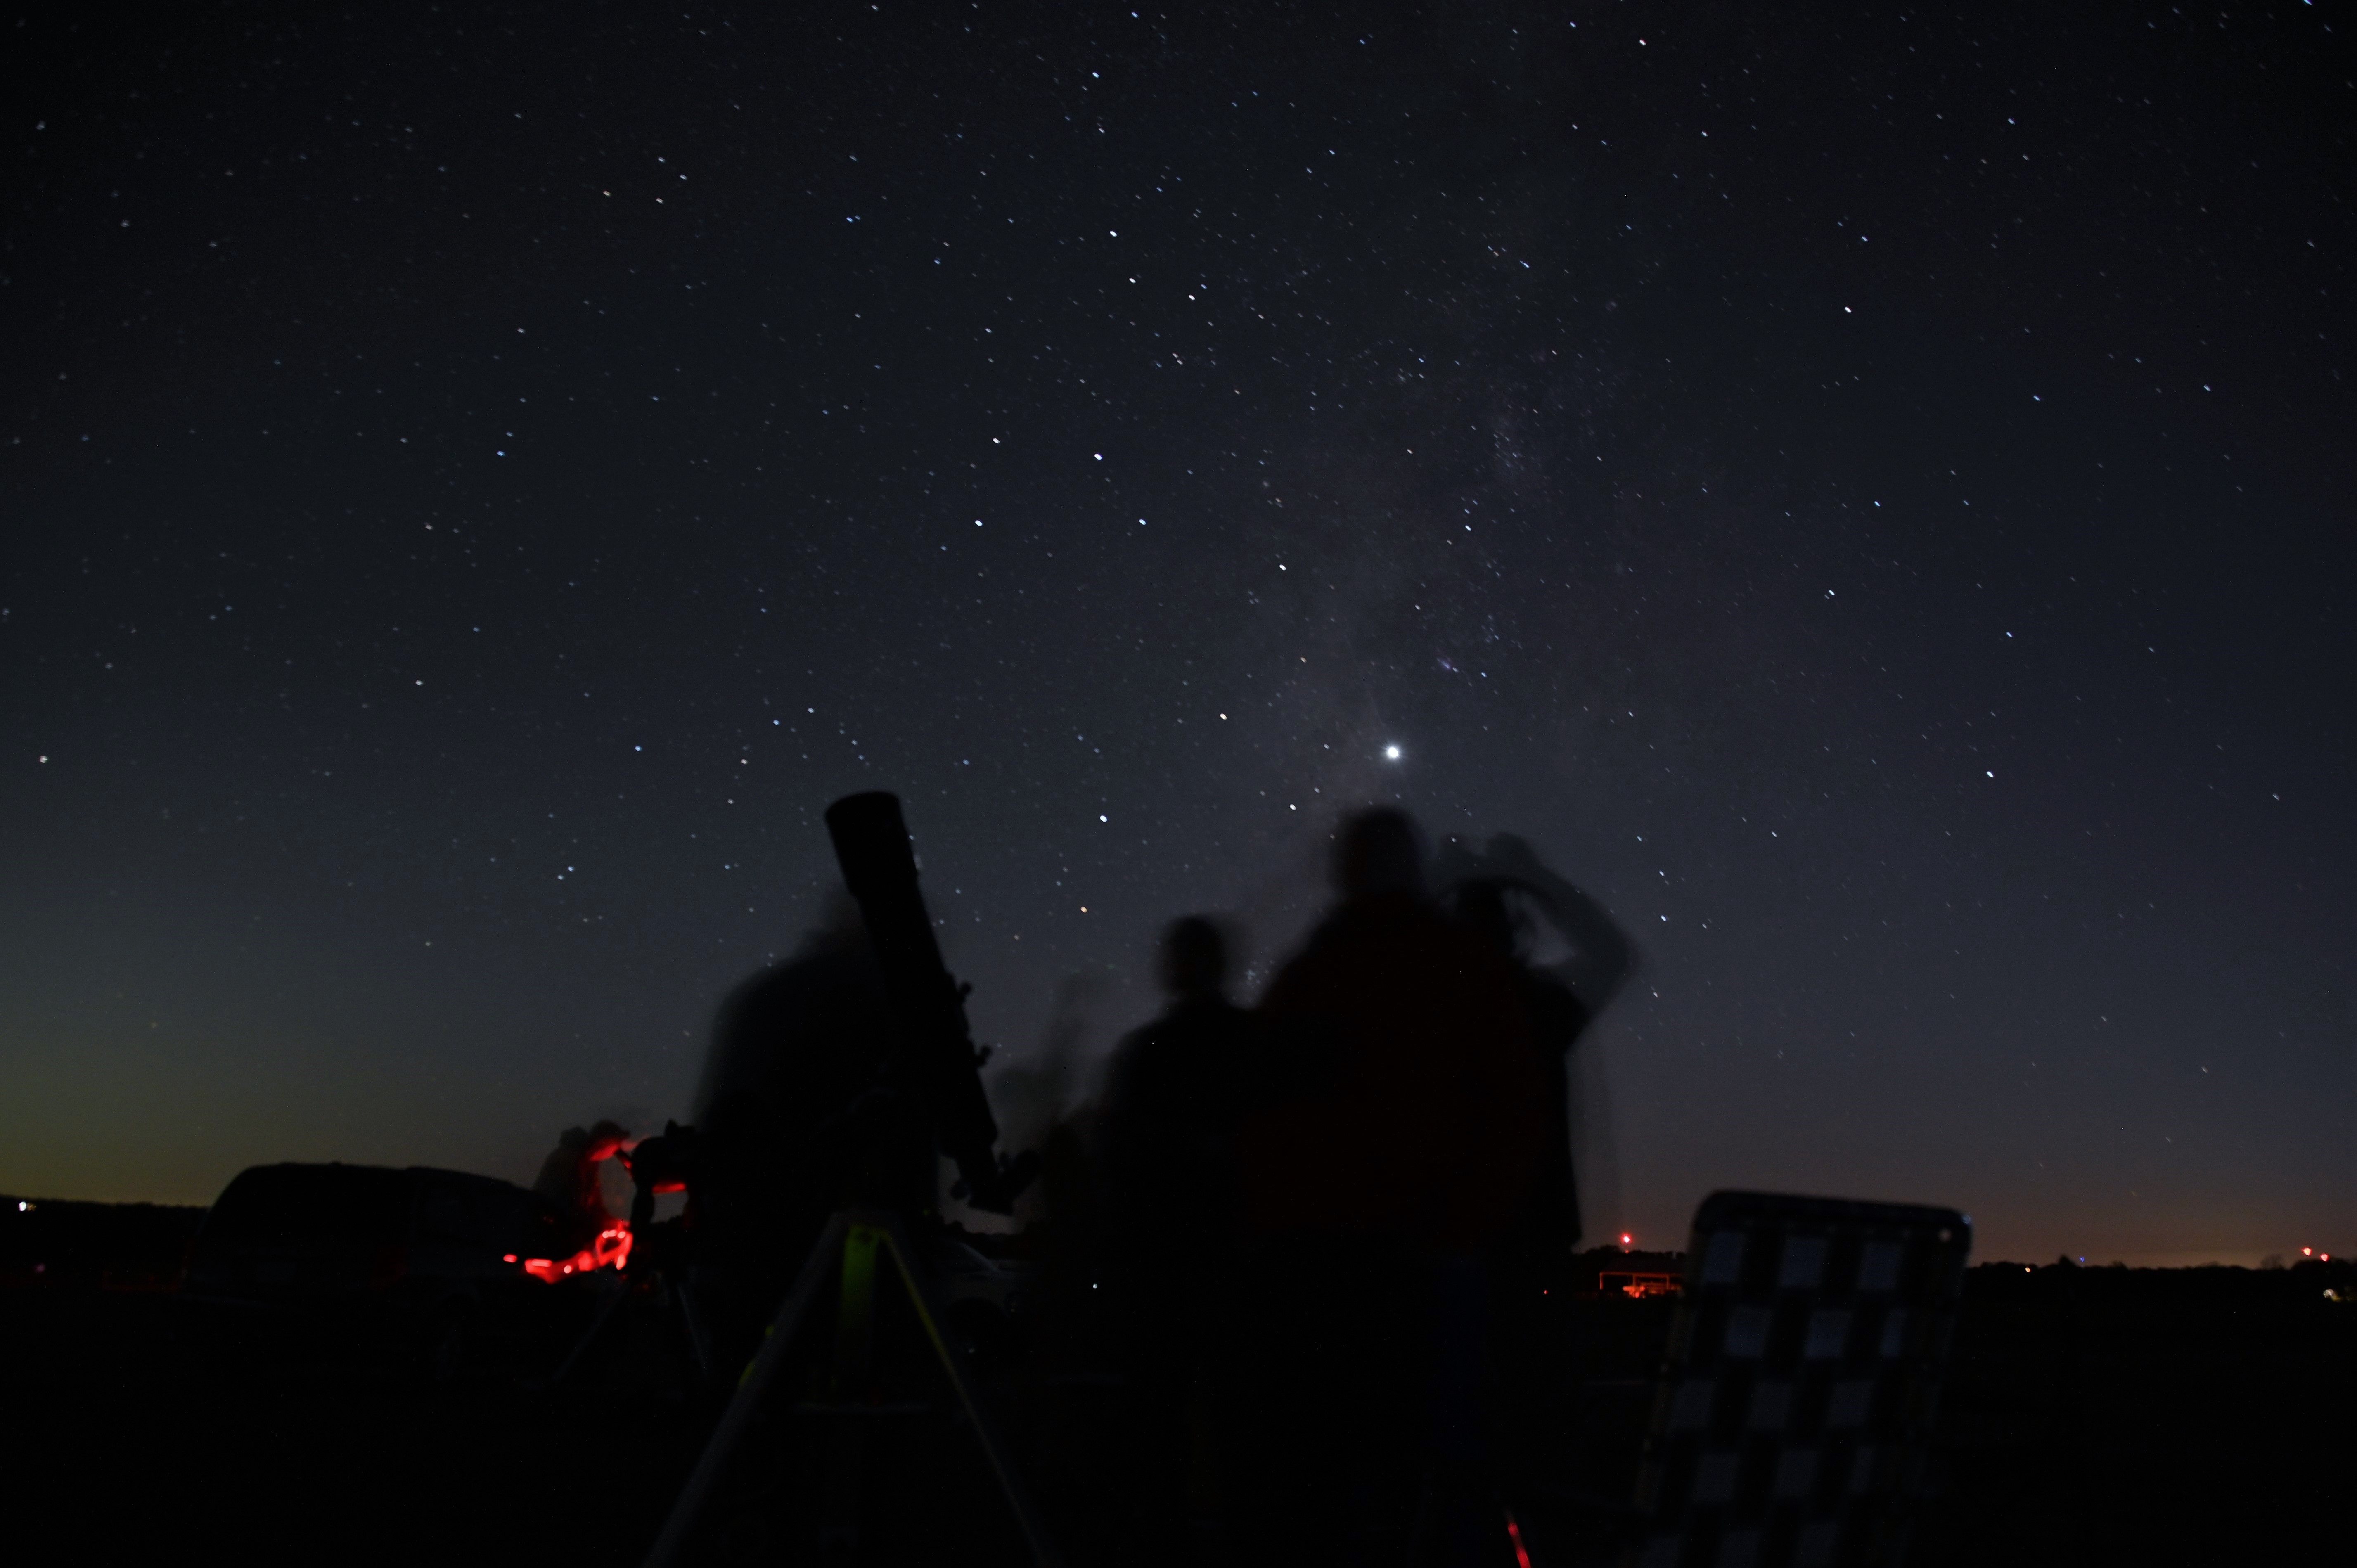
x: 1791, y: 1425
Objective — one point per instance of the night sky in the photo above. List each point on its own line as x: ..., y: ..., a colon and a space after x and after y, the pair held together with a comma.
x: 1865, y: 491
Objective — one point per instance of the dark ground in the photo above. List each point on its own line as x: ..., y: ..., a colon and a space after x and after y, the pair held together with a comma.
x: 2093, y: 1416
x: 2120, y: 1415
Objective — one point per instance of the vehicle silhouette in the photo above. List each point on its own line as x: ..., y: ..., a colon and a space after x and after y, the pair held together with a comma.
x: 428, y: 1265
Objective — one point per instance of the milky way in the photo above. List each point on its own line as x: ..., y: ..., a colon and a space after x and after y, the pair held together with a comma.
x: 1867, y: 499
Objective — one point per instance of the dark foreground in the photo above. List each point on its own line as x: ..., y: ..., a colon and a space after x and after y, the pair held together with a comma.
x: 2093, y: 1416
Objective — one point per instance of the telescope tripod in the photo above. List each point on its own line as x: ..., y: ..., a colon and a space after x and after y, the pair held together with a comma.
x: 849, y: 1254
x: 666, y: 1298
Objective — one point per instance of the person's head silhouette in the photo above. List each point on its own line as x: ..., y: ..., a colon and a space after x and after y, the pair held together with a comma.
x: 604, y: 1140
x: 1194, y: 959
x: 1378, y: 849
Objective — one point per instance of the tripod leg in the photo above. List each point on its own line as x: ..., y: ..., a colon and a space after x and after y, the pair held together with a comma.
x: 690, y: 1327
x: 846, y: 1444
x: 994, y: 1446
x: 616, y: 1290
x: 855, y: 1319
x: 750, y: 1388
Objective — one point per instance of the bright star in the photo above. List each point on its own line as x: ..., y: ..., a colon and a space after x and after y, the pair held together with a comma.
x: 1392, y: 753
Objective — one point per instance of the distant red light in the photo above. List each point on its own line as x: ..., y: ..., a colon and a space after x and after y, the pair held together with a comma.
x: 1626, y: 1238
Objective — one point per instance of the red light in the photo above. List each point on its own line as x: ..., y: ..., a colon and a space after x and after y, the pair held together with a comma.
x: 611, y: 1249
x: 2307, y: 1252
x: 1514, y: 1534
x: 507, y: 1257
x: 1626, y: 1238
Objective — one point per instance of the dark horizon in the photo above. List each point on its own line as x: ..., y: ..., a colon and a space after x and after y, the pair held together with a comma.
x: 1864, y: 495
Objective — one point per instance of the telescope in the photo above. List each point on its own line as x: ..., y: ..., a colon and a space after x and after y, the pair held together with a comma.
x: 936, y: 1062
x: 932, y: 1076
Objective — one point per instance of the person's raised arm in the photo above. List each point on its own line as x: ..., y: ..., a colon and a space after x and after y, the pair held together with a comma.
x: 1602, y: 956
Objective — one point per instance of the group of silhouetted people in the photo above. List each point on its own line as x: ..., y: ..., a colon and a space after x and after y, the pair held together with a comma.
x: 1329, y: 1219
x: 1318, y: 1225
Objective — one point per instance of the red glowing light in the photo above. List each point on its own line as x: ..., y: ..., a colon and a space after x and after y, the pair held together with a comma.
x: 1626, y: 1238
x: 1514, y: 1534
x: 611, y: 1249
x: 2307, y: 1252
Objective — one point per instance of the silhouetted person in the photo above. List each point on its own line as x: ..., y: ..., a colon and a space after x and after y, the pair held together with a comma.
x: 1493, y: 895
x: 570, y: 1177
x: 1172, y: 1099
x: 1502, y: 894
x: 1537, y: 1244
x: 1166, y: 1140
x: 1405, y: 1128
x: 793, y: 1119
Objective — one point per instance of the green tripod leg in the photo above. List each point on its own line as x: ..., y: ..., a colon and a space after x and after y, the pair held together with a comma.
x: 844, y: 1451
x: 848, y: 1248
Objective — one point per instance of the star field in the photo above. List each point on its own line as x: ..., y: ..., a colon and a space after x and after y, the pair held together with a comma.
x: 1864, y: 492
